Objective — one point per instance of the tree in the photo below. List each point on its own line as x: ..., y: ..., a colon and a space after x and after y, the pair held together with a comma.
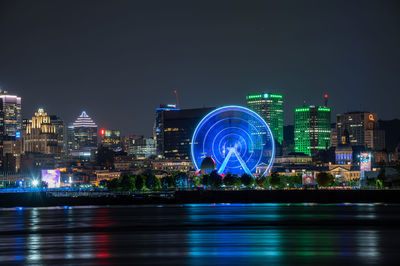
x: 204, y: 180
x: 167, y: 181
x: 195, y: 181
x: 103, y: 183
x: 180, y: 180
x: 127, y: 183
x: 113, y: 184
x: 247, y: 180
x: 151, y: 182
x: 139, y: 182
x: 381, y: 177
x: 275, y: 180
x: 324, y: 179
x: 261, y: 181
x: 215, y: 180
x: 297, y: 180
x: 231, y: 180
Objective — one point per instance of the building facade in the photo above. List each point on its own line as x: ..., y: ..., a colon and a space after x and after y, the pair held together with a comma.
x: 158, y: 129
x: 270, y: 107
x: 174, y: 131
x: 312, y: 129
x: 40, y: 135
x: 142, y: 147
x: 11, y: 115
x: 111, y: 139
x: 82, y: 134
x: 363, y: 129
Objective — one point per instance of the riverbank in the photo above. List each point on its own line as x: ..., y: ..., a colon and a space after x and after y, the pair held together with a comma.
x: 40, y: 199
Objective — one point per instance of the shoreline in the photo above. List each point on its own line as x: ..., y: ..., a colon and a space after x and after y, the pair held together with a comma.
x: 44, y: 199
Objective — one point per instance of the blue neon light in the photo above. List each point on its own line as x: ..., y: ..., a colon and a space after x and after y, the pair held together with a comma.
x: 237, y: 138
x: 17, y: 134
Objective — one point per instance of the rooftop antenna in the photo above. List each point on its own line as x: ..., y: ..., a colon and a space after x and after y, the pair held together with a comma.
x: 177, y: 98
x: 326, y: 99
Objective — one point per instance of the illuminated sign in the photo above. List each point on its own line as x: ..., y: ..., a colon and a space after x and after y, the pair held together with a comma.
x: 17, y: 134
x: 371, y: 117
x: 365, y: 163
x: 51, y: 177
x: 308, y: 179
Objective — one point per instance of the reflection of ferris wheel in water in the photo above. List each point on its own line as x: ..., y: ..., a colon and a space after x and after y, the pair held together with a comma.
x: 237, y: 139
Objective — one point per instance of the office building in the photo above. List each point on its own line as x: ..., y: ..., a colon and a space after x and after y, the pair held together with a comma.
x: 40, y: 135
x: 11, y: 115
x: 312, y: 129
x: 82, y: 135
x: 142, y: 147
x: 363, y: 129
x: 111, y: 139
x: 270, y: 107
x: 174, y: 129
x: 158, y: 129
x: 60, y: 131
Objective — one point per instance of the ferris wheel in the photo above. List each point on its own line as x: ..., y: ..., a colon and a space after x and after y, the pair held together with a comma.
x: 236, y: 138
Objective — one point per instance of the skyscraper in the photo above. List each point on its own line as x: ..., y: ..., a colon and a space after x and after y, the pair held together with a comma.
x: 363, y: 129
x: 158, y: 129
x: 174, y: 129
x: 312, y: 128
x: 82, y: 134
x: 11, y: 112
x: 40, y: 135
x: 60, y: 131
x: 270, y: 107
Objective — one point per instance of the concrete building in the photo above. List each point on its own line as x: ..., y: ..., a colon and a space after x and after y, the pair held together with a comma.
x: 40, y: 135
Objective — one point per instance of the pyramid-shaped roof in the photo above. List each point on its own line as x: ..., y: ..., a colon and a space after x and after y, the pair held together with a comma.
x: 84, y: 121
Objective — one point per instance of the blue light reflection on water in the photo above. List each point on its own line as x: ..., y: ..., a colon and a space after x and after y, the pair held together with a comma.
x: 200, y: 233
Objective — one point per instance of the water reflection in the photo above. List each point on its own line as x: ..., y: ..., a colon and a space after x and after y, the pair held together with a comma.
x: 201, y: 234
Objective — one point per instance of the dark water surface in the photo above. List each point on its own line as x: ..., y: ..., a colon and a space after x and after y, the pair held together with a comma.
x: 202, y: 234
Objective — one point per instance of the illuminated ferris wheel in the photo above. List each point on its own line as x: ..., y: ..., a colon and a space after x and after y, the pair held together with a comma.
x: 236, y: 138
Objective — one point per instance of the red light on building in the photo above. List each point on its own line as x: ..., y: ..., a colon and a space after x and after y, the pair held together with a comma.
x: 102, y: 132
x: 326, y: 95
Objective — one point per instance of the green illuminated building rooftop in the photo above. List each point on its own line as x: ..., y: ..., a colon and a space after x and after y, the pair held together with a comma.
x: 270, y: 107
x: 312, y: 129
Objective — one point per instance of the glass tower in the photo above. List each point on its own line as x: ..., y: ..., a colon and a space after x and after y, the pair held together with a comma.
x: 270, y: 107
x: 312, y: 127
x: 84, y: 133
x: 11, y: 112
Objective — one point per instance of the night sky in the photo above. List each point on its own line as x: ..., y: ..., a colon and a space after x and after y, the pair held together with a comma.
x: 119, y: 60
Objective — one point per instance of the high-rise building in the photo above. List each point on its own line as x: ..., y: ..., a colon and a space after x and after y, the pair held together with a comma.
x: 60, y: 131
x: 158, y: 129
x: 363, y: 129
x: 270, y: 107
x: 40, y: 135
x: 11, y: 112
x: 312, y: 129
x: 174, y: 130
x: 82, y: 134
x: 111, y: 139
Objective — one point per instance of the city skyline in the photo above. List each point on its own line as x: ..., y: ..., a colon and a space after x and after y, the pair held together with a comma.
x: 120, y: 62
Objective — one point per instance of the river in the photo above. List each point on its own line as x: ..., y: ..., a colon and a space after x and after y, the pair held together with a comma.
x: 201, y: 234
